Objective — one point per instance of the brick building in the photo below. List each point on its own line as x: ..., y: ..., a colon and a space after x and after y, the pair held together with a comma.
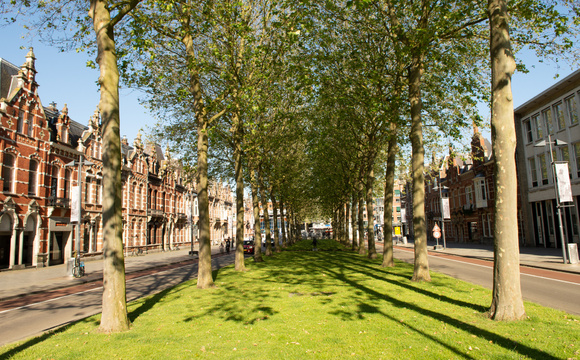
x: 41, y: 151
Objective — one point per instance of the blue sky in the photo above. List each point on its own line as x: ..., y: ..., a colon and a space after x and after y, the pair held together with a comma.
x: 64, y: 78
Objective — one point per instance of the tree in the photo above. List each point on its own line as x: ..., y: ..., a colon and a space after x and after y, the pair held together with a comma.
x: 105, y: 18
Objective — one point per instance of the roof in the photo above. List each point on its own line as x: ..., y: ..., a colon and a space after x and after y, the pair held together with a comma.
x: 7, y: 72
x: 551, y: 93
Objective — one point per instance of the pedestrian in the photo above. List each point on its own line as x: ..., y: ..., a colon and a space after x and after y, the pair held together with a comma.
x: 228, y: 243
x: 314, y: 242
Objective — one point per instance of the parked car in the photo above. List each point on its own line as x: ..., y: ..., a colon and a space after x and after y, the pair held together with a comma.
x: 249, y: 246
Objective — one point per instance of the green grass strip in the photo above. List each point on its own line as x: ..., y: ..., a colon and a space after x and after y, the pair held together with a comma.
x: 326, y: 304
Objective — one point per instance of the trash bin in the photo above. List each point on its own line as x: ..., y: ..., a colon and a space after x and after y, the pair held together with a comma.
x: 404, y: 240
x: 573, y: 253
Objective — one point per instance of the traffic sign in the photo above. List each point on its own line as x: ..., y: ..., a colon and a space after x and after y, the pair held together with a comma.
x: 436, y: 232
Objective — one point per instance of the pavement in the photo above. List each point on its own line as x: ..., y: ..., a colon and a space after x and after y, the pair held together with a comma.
x: 17, y: 283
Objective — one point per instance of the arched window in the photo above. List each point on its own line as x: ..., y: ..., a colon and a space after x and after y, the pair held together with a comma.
x: 8, y: 172
x: 32, y: 178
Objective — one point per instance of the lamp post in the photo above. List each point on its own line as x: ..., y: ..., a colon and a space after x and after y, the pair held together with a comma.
x: 77, y: 213
x: 439, y: 187
x: 556, y: 142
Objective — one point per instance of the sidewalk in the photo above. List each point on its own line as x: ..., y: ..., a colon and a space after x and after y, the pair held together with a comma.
x: 543, y: 258
x: 16, y: 283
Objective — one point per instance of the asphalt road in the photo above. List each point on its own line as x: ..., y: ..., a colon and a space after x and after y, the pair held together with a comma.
x: 545, y: 287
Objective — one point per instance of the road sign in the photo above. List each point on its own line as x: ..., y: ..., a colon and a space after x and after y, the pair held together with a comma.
x: 436, y: 232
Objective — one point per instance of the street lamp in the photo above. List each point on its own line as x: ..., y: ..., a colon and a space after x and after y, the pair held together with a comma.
x: 439, y: 187
x: 76, y: 211
x: 559, y: 206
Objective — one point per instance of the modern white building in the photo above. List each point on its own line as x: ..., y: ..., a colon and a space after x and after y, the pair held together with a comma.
x: 550, y: 118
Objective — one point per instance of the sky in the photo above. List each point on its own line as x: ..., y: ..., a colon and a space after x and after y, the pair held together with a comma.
x: 64, y: 78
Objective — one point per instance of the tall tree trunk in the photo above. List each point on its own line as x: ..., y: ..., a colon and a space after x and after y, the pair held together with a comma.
x: 388, y: 260
x: 354, y: 221
x: 283, y: 222
x: 421, y: 268
x: 204, y: 275
x: 256, y: 206
x: 276, y: 230
x: 239, y: 241
x: 507, y: 303
x: 346, y: 222
x: 114, y: 317
x: 361, y: 228
x: 266, y: 215
x: 371, y: 212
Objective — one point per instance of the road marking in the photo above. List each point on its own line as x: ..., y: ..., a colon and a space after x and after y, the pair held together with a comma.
x: 491, y: 267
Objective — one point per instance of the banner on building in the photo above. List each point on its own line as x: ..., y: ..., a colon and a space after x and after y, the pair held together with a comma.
x: 563, y: 182
x: 75, y: 205
x: 445, y: 207
x: 403, y: 215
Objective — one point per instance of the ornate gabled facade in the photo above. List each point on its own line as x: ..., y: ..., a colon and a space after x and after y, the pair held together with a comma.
x: 41, y: 152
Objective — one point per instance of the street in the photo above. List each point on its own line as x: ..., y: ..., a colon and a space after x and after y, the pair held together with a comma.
x: 549, y: 288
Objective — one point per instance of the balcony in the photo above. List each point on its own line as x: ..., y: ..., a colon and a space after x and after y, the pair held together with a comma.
x: 62, y: 203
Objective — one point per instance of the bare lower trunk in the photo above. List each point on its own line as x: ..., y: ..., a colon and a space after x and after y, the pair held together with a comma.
x: 114, y: 317
x: 276, y: 230
x: 354, y: 222
x: 256, y: 207
x: 345, y: 221
x: 388, y: 260
x: 361, y: 228
x: 421, y: 268
x: 507, y: 303
x: 266, y: 218
x: 370, y: 212
x: 239, y: 240
x: 283, y: 222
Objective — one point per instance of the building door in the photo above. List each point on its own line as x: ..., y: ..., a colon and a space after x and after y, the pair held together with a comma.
x: 57, y: 248
x: 539, y: 224
x: 4, y: 251
x: 27, y: 248
x: 550, y: 213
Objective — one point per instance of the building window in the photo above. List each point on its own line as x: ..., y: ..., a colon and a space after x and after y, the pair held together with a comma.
x: 30, y: 124
x: 565, y: 156
x: 577, y: 156
x: 98, y: 191
x: 195, y: 208
x: 468, y: 195
x: 559, y: 114
x: 544, y: 169
x: 528, y: 131
x: 8, y: 172
x: 54, y: 182
x: 20, y: 124
x: 538, y: 124
x: 572, y: 109
x: 533, y: 171
x: 66, y: 185
x: 547, y: 115
x: 32, y: 177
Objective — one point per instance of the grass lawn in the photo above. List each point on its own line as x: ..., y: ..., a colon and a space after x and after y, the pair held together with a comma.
x: 322, y: 305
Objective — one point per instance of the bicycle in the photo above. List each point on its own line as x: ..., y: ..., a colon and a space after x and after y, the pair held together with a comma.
x: 78, y: 269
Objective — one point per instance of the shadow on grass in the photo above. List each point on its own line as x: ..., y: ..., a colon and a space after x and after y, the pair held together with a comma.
x: 495, y: 338
x: 372, y: 272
